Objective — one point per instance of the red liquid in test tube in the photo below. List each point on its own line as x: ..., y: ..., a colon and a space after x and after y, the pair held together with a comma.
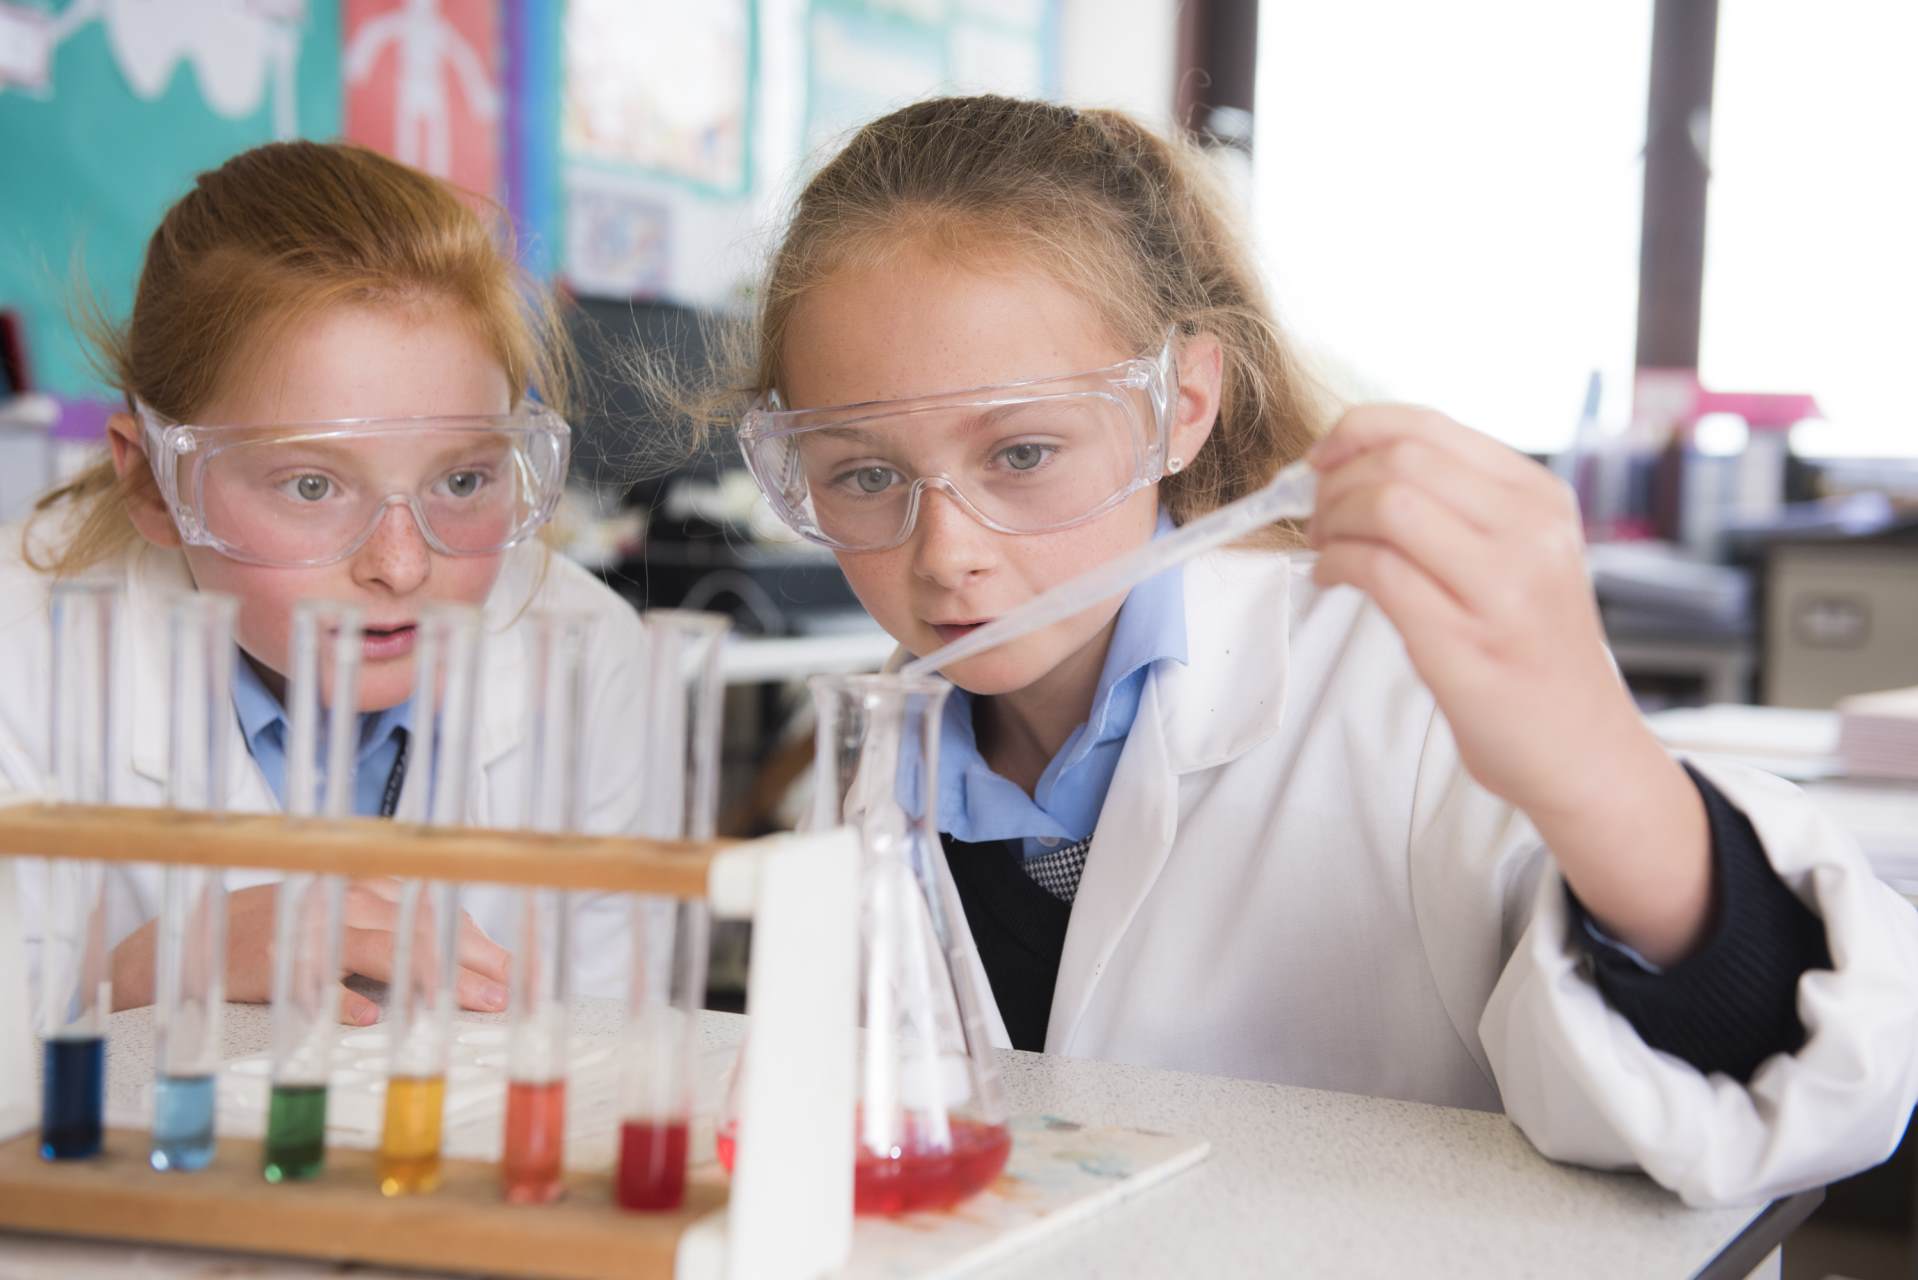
x: 652, y: 1164
x: 530, y: 1169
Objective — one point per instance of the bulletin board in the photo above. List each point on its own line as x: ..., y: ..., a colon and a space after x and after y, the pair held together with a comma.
x: 107, y: 111
x: 656, y: 123
x: 664, y: 90
x: 424, y: 84
x: 867, y: 57
x: 624, y: 138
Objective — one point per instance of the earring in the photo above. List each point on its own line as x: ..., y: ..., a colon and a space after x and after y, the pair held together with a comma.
x: 1174, y: 465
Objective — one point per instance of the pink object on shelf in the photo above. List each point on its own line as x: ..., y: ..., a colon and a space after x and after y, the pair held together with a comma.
x: 1676, y: 397
x: 83, y: 421
x: 1761, y: 410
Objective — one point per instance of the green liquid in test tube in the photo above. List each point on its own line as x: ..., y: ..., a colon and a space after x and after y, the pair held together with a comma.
x: 307, y: 912
x: 295, y: 1131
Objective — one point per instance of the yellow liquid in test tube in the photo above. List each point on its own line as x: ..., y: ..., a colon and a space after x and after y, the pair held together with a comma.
x: 410, y: 1145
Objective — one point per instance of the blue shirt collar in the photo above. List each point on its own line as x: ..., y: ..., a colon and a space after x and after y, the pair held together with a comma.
x: 263, y: 718
x: 978, y: 805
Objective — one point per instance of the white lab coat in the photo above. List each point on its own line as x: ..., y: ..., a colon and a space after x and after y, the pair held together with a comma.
x: 1294, y: 879
x: 532, y: 578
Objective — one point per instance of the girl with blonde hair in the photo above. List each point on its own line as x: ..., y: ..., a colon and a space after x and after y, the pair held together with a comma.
x: 1365, y: 807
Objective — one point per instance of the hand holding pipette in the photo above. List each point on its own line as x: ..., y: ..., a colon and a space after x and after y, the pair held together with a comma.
x: 1476, y: 555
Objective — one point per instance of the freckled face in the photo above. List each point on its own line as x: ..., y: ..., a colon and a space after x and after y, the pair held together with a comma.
x: 363, y: 362
x: 915, y: 326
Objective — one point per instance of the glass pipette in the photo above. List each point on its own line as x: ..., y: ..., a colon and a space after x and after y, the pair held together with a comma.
x: 1288, y: 495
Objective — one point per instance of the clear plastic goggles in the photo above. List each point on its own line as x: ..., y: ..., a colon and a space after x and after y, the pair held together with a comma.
x: 295, y: 495
x: 1026, y: 457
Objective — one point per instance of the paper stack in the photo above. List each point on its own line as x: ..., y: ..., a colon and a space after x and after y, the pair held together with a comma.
x: 1878, y: 734
x: 1792, y: 743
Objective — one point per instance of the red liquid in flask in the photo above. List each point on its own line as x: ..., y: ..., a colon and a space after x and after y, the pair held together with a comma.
x: 530, y: 1170
x: 920, y: 1176
x: 652, y: 1164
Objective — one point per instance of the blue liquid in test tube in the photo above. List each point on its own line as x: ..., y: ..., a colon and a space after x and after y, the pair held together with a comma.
x: 190, y: 989
x: 73, y: 1098
x: 75, y: 992
x: 182, y: 1123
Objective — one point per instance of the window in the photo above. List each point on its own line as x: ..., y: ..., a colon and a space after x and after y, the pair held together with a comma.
x: 1811, y: 244
x: 1447, y: 200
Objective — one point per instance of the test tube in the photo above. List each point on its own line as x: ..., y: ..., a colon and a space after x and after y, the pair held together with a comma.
x: 306, y: 927
x: 531, y: 1169
x: 76, y: 986
x: 669, y: 937
x: 419, y: 1011
x: 190, y: 989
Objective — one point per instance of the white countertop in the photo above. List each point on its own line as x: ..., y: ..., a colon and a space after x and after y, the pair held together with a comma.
x: 1299, y: 1182
x: 1307, y: 1182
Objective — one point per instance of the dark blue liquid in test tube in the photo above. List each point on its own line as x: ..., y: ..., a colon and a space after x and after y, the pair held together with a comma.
x: 73, y: 1098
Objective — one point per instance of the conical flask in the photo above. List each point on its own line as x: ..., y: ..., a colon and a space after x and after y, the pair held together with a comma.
x: 930, y: 1116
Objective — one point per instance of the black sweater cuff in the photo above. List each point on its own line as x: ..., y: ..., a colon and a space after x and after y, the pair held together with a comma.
x: 1732, y: 1003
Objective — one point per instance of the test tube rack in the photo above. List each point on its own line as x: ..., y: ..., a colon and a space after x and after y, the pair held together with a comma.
x: 787, y: 1210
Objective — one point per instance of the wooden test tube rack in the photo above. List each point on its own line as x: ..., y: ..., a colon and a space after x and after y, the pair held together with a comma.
x: 464, y: 1226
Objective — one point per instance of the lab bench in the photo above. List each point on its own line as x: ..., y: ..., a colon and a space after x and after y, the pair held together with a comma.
x: 1298, y: 1182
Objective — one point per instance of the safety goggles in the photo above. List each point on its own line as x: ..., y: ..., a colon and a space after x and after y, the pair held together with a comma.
x: 295, y: 495
x: 1026, y: 457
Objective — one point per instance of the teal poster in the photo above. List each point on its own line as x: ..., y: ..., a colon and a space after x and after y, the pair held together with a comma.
x: 108, y: 108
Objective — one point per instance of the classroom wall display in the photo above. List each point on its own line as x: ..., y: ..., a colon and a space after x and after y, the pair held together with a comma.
x: 529, y: 133
x: 867, y: 57
x: 424, y: 85
x: 620, y: 241
x: 664, y: 89
x: 685, y: 134
x: 107, y: 110
x: 644, y: 148
x: 656, y: 122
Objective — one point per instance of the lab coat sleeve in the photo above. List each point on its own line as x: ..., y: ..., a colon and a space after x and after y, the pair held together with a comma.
x: 1732, y: 1003
x: 1577, y: 1079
